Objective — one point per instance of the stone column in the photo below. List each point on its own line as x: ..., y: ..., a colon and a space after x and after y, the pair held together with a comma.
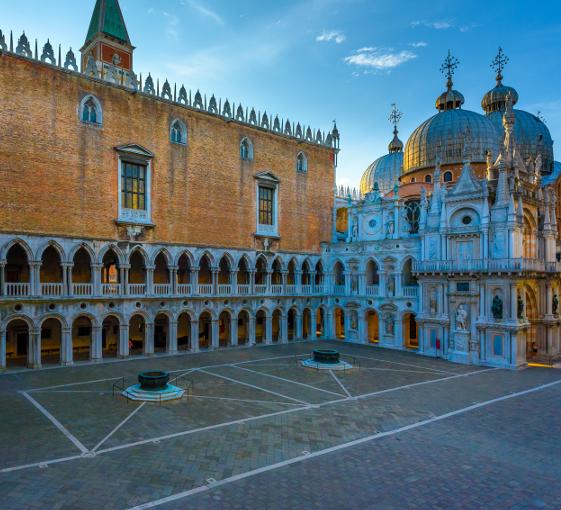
x: 96, y: 349
x: 268, y: 279
x: 251, y: 281
x: 233, y: 331
x: 195, y: 281
x: 398, y: 284
x: 549, y: 298
x: 34, y: 349
x: 313, y: 324
x: 2, y: 349
x: 148, y: 338
x: 382, y: 290
x: 362, y: 329
x: 348, y: 276
x: 513, y: 302
x: 123, y: 340
x: 215, y: 334
x: 298, y: 326
x: 284, y: 328
x: 66, y: 352
x: 194, y: 336
x: 96, y: 276
x: 2, y: 278
x: 35, y: 278
x: 329, y: 326
x: 482, y: 311
x: 66, y: 278
x: 268, y: 330
x: 298, y: 281
x: 215, y: 271
x: 124, y: 273
x: 251, y: 332
x: 234, y: 282
x: 150, y: 280
x: 173, y: 279
x: 284, y: 276
x: 172, y: 341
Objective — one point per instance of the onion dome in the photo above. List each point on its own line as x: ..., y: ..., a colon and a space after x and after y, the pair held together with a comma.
x: 384, y: 173
x: 531, y: 135
x: 450, y: 99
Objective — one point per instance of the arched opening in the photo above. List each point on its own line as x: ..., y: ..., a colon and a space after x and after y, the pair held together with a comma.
x: 447, y: 177
x: 82, y: 339
x: 51, y: 273
x: 184, y: 275
x: 320, y: 323
x: 410, y: 331
x: 413, y: 215
x: 137, y: 335
x: 291, y: 320
x: 224, y: 329
x: 529, y: 240
x: 17, y: 343
x: 110, y: 337
x: 178, y: 132
x: 91, y: 112
x: 319, y: 277
x: 137, y: 274
x: 224, y: 276
x: 161, y: 333
x: 110, y: 274
x: 372, y: 278
x: 276, y: 326
x: 184, y: 332
x: 307, y: 324
x: 301, y: 162
x: 205, y: 276
x: 243, y: 328
x: 409, y: 280
x: 246, y: 150
x: 291, y: 275
x: 339, y: 319
x: 373, y: 326
x: 17, y: 272
x: 261, y: 275
x: 82, y: 273
x: 531, y: 315
x: 260, y: 325
x: 161, y: 275
x: 428, y: 178
x: 243, y: 277
x: 306, y: 278
x: 51, y: 342
x: 339, y: 276
x: 205, y: 330
x: 276, y: 277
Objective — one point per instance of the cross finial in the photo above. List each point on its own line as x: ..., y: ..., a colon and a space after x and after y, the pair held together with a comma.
x: 395, y: 116
x: 448, y: 67
x: 499, y: 63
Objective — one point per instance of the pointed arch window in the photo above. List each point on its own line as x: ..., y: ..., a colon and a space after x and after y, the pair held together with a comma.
x: 301, y: 163
x: 246, y: 150
x: 90, y: 111
x: 178, y: 132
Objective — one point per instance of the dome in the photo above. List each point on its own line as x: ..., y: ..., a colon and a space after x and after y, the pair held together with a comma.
x: 449, y: 100
x: 495, y: 99
x: 385, y: 171
x: 531, y: 136
x: 444, y: 133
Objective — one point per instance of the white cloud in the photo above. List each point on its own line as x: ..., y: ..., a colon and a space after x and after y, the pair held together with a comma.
x: 331, y: 35
x: 420, y: 44
x: 437, y: 25
x: 379, y: 59
x: 205, y: 11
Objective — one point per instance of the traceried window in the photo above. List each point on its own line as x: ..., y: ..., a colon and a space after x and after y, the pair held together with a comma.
x: 133, y: 186
x: 246, y: 150
x: 301, y: 163
x: 90, y: 111
x: 413, y: 215
x: 178, y: 133
x: 266, y: 205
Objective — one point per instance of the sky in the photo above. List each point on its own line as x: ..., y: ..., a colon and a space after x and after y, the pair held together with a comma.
x: 314, y: 61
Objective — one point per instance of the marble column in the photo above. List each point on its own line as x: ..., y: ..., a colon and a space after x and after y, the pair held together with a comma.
x: 313, y: 325
x: 215, y: 334
x: 268, y: 330
x: 2, y: 349
x: 96, y: 277
x: 298, y: 326
x: 34, y: 349
x: 148, y: 338
x: 172, y: 341
x: 66, y: 347
x: 194, y: 336
x: 123, y: 340
x: 251, y: 332
x: 150, y: 280
x: 234, y: 331
x: 284, y: 328
x: 2, y: 278
x: 96, y: 349
x: 173, y: 279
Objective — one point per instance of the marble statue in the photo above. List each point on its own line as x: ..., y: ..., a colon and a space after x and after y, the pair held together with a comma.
x: 461, y: 318
x: 555, y: 304
x: 497, y: 307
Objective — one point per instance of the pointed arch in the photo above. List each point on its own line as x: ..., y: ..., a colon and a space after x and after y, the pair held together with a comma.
x: 90, y: 110
x: 178, y: 132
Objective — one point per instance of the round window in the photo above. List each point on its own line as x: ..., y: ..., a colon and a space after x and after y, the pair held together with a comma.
x: 372, y: 223
x: 466, y: 220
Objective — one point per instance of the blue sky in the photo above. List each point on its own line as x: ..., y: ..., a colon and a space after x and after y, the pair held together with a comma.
x: 318, y: 60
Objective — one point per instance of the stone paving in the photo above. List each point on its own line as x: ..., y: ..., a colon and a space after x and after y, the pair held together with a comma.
x: 253, y: 408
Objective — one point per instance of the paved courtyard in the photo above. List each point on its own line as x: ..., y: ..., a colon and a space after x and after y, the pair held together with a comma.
x: 260, y: 431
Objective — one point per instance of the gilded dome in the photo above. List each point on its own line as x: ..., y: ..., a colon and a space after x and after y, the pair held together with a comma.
x: 444, y: 134
x: 531, y: 136
x: 495, y: 99
x: 385, y: 171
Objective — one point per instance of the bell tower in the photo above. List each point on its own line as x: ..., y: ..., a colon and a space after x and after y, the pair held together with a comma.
x: 108, y: 41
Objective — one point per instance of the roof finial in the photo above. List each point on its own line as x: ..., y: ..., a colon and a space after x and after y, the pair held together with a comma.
x: 396, y: 145
x: 448, y: 68
x: 499, y: 63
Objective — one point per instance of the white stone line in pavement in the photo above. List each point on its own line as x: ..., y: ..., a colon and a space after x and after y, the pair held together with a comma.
x: 97, y: 446
x: 56, y: 423
x: 100, y: 392
x: 338, y: 381
x: 255, y: 387
x: 201, y: 429
x: 401, y: 363
x: 40, y: 464
x: 319, y: 453
x: 290, y: 381
x: 403, y: 371
x: 247, y: 362
x: 246, y: 400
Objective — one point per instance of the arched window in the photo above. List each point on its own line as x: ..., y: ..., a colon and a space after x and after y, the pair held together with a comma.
x: 178, y: 132
x: 413, y: 179
x: 301, y: 163
x: 90, y: 111
x: 246, y: 150
x: 413, y: 215
x: 447, y: 177
x: 428, y: 178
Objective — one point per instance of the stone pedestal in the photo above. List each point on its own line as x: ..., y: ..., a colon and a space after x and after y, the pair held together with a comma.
x: 460, y: 348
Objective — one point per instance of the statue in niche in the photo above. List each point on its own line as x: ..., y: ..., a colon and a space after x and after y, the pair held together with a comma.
x: 391, y: 286
x: 389, y: 324
x: 497, y: 307
x: 520, y: 307
x: 390, y: 228
x: 433, y: 301
x: 555, y: 304
x: 354, y: 230
x: 354, y: 320
x: 354, y: 284
x: 461, y: 318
